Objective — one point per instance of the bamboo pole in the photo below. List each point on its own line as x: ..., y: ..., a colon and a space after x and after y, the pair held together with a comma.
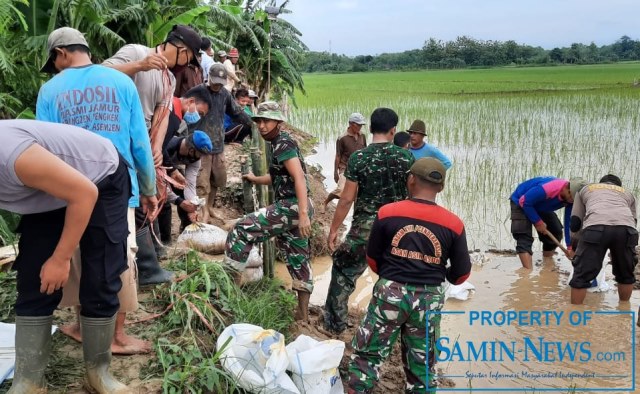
x: 247, y: 187
x: 259, y: 155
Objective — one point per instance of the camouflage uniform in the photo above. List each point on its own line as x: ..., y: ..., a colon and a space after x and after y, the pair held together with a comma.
x: 278, y: 220
x: 380, y: 170
x: 397, y: 308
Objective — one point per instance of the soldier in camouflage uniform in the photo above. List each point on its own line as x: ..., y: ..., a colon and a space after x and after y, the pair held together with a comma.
x: 408, y: 248
x: 378, y: 175
x: 288, y: 218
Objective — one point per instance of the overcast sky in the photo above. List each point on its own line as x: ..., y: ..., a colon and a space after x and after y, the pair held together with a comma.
x: 369, y: 27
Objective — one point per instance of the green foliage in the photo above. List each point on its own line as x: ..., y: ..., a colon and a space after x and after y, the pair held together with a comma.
x: 200, y: 305
x: 468, y: 52
x: 8, y: 224
x: 8, y: 296
x: 109, y: 24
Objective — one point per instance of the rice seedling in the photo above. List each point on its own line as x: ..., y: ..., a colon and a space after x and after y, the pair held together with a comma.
x: 499, y: 127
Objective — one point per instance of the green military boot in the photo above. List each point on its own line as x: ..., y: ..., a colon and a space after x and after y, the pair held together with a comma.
x: 97, y: 335
x: 33, y: 346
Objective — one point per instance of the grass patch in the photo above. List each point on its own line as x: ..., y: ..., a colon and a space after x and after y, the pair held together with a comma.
x: 201, y: 304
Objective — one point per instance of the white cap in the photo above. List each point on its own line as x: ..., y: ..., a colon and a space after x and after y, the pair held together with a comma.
x: 357, y: 118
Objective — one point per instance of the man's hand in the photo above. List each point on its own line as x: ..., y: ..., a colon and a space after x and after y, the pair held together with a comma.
x: 153, y: 61
x: 149, y: 206
x: 188, y: 206
x: 54, y: 275
x: 570, y: 254
x: 331, y: 240
x: 541, y: 227
x: 193, y: 216
x: 304, y: 225
x: 179, y: 178
x: 249, y: 177
x: 336, y: 176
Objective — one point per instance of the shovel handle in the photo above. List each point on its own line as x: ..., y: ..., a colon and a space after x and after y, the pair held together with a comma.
x: 555, y: 240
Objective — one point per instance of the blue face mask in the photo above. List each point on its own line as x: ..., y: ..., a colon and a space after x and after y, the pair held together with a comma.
x: 191, y: 117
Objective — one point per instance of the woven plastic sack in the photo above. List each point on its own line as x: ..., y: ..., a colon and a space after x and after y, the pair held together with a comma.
x: 314, y: 365
x: 257, y: 358
x: 204, y: 238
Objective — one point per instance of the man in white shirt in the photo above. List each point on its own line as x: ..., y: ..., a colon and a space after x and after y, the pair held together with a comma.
x: 206, y: 52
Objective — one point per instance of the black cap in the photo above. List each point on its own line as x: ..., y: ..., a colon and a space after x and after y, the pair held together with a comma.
x: 190, y: 38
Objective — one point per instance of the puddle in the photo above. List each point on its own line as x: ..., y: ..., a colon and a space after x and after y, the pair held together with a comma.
x: 502, y: 286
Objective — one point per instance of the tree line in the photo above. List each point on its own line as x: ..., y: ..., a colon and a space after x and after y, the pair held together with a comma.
x: 468, y: 52
x: 110, y: 24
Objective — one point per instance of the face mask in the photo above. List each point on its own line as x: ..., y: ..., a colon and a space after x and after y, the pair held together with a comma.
x: 178, y: 68
x: 191, y: 117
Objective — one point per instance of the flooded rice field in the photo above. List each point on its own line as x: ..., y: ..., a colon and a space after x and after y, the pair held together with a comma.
x: 517, y: 331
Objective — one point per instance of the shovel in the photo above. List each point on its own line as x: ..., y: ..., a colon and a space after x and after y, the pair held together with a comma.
x: 555, y: 241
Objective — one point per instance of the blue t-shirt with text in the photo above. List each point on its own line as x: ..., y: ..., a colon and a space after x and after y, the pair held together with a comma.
x: 106, y: 102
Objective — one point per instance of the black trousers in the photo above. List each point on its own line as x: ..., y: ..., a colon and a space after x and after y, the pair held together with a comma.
x: 521, y: 230
x: 103, y: 248
x: 592, y: 247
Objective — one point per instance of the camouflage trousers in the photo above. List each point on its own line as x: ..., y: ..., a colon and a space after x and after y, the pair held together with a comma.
x: 349, y: 262
x: 394, y: 309
x: 278, y: 220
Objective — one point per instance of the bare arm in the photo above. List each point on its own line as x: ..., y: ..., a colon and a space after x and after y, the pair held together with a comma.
x: 347, y: 198
x: 153, y: 61
x: 258, y: 180
x: 39, y: 169
x: 159, y: 124
x: 294, y: 168
x: 336, y: 162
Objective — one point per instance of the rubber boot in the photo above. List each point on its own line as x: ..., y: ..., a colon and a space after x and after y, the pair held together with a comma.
x: 164, y: 224
x: 149, y: 270
x: 161, y: 250
x: 33, y: 347
x: 97, y: 335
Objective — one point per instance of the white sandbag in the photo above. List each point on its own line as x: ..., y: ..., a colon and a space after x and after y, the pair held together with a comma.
x: 459, y: 292
x: 257, y: 358
x: 252, y: 274
x: 255, y: 259
x: 599, y: 284
x: 204, y: 238
x: 314, y: 365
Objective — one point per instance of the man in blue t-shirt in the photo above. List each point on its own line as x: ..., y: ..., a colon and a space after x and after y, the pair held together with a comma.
x: 420, y: 149
x: 105, y: 102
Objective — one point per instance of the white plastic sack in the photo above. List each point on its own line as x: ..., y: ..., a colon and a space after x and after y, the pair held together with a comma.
x: 257, y: 358
x: 459, y: 292
x: 314, y: 365
x: 204, y: 238
x: 599, y: 284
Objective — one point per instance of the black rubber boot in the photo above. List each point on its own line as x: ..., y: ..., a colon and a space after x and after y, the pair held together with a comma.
x: 161, y: 250
x: 149, y: 270
x: 164, y: 223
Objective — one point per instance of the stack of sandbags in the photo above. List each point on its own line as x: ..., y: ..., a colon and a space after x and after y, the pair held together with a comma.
x: 253, y: 271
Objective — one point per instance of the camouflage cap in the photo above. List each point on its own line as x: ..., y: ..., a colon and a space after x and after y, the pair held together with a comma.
x: 269, y: 110
x: 430, y: 169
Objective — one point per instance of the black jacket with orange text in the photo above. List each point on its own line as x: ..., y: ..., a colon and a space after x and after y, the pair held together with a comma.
x: 412, y: 240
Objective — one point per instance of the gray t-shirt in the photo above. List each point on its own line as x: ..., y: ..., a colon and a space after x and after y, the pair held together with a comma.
x: 92, y: 155
x: 604, y: 203
x: 155, y: 87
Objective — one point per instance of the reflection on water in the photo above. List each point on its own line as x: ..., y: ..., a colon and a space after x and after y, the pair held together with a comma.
x: 502, y: 286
